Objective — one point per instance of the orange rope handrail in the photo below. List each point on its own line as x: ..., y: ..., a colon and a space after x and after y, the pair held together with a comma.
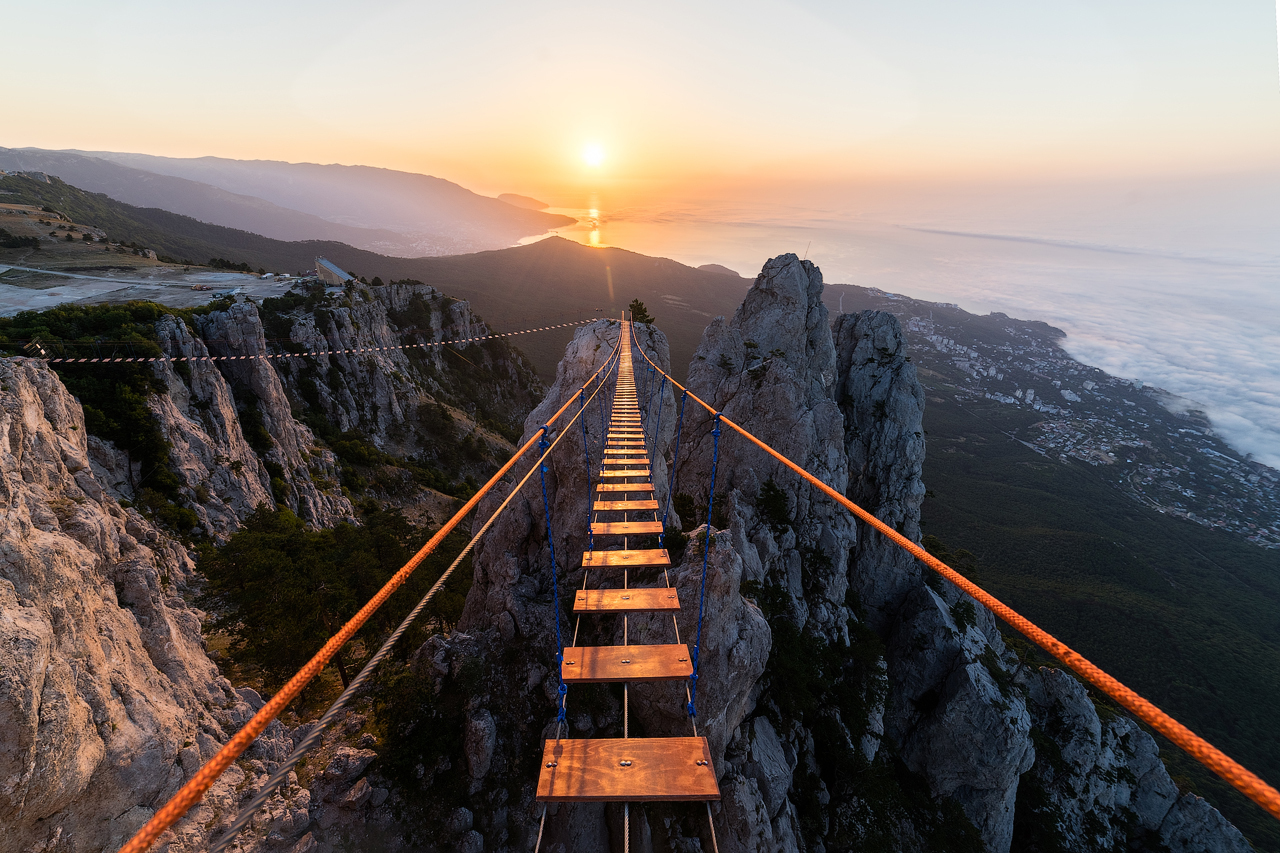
x: 1242, y: 779
x: 198, y: 785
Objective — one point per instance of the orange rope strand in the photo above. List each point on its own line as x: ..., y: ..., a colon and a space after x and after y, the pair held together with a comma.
x: 198, y: 785
x: 1197, y: 747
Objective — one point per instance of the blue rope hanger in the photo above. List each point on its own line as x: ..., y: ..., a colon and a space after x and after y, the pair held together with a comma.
x: 658, y: 426
x: 543, y: 444
x: 671, y: 488
x: 586, y: 452
x: 706, y: 550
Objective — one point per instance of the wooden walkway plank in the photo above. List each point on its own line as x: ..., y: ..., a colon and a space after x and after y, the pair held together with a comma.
x: 624, y: 506
x: 626, y: 528
x: 634, y: 600
x: 625, y: 487
x: 611, y: 664
x: 630, y: 558
x: 637, y: 770
x: 636, y: 472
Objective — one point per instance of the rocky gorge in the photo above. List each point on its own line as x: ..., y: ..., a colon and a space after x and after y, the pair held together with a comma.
x: 851, y: 701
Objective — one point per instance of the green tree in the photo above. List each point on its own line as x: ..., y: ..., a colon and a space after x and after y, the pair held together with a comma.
x: 283, y: 590
x: 639, y: 313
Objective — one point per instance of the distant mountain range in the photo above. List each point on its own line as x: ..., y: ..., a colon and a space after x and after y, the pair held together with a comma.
x: 546, y: 282
x: 379, y: 210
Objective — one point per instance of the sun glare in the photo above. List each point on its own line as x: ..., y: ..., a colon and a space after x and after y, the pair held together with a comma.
x: 593, y: 154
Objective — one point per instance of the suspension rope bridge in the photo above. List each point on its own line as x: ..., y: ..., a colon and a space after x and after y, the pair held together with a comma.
x: 622, y: 508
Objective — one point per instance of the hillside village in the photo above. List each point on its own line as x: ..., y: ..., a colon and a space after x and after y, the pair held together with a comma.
x: 1155, y: 447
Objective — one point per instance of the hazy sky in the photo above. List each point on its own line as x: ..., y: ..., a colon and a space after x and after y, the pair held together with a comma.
x: 506, y: 95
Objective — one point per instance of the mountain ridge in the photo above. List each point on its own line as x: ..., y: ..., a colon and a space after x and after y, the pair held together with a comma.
x: 448, y: 219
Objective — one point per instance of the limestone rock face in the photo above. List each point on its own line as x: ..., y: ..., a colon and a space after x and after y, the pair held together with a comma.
x: 883, y: 407
x: 773, y: 366
x: 1109, y: 777
x: 108, y: 701
x: 238, y: 331
x: 380, y: 389
x: 199, y: 419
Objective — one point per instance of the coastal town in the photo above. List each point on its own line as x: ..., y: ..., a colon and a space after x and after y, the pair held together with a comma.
x: 1155, y: 447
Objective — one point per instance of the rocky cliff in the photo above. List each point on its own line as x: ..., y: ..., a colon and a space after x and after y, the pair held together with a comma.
x: 850, y: 700
x: 108, y: 698
x: 108, y: 701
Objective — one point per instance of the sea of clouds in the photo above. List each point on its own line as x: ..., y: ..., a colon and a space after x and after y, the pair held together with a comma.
x: 1178, y: 288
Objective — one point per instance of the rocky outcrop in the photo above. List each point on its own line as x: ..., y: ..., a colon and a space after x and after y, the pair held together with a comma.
x: 223, y: 478
x: 385, y: 392
x: 310, y: 477
x: 1099, y: 782
x: 104, y: 679
x: 108, y: 701
x: 838, y: 681
x: 849, y: 699
x: 883, y: 407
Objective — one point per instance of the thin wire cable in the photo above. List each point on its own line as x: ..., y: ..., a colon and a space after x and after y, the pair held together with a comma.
x: 657, y: 427
x: 196, y: 787
x: 1241, y: 778
x: 313, y: 737
x: 308, y: 354
x: 586, y: 452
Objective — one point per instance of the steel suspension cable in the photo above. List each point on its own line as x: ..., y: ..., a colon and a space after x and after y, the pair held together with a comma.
x: 671, y: 483
x: 1240, y: 777
x: 317, y: 732
x: 196, y: 787
x: 657, y: 428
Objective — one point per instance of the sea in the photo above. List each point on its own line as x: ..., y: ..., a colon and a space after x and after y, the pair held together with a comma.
x: 1176, y: 307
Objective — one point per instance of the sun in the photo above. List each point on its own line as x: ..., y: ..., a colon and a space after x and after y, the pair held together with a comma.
x: 593, y: 154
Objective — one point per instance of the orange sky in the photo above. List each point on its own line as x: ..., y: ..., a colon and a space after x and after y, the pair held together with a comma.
x: 699, y: 98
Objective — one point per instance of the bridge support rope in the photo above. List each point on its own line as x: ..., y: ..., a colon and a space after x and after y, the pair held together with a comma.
x: 196, y: 787
x: 313, y: 737
x: 1242, y: 779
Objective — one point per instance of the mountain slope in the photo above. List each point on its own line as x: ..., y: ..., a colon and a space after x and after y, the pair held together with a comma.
x: 551, y: 281
x: 365, y: 196
x: 198, y: 200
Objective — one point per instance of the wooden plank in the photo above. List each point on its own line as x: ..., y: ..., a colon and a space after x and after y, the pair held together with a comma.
x: 610, y: 664
x: 632, y: 472
x: 636, y: 770
x: 623, y: 506
x: 625, y: 528
x: 625, y: 487
x: 631, y: 558
x: 641, y: 600
x: 625, y: 451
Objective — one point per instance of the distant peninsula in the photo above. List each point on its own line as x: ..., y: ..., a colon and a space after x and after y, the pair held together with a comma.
x: 523, y: 201
x: 716, y: 268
